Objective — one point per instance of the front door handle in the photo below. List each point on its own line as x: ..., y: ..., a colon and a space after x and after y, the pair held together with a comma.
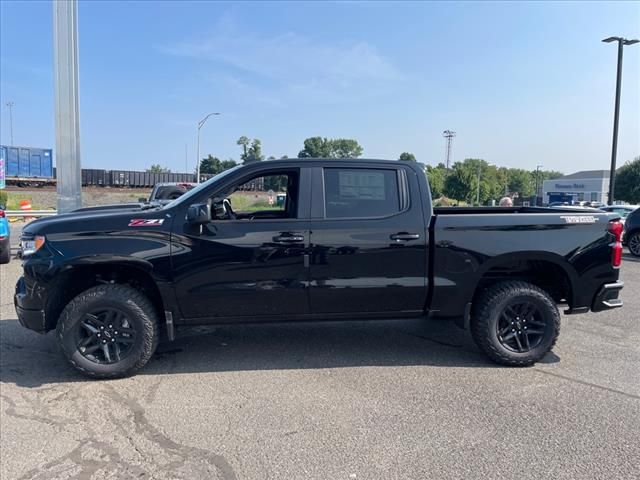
x: 288, y: 238
x: 404, y: 236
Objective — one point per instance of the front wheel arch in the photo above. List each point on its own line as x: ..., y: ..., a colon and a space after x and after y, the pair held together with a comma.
x: 74, y: 279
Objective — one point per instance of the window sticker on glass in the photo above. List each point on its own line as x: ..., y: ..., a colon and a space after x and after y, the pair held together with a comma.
x: 364, y: 185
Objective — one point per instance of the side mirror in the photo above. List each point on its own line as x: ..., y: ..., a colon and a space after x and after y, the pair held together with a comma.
x: 199, y: 213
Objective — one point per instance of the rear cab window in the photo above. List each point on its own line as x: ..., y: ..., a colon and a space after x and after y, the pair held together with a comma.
x: 362, y: 192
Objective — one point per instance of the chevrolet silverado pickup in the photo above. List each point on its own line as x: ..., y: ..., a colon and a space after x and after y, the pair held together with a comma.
x: 353, y: 239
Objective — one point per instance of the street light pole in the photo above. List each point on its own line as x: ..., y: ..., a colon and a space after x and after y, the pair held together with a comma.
x: 10, y: 104
x: 616, y: 115
x: 478, y: 192
x: 535, y: 202
x: 200, y: 124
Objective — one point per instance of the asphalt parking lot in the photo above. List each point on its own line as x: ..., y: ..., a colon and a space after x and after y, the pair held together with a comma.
x: 378, y: 400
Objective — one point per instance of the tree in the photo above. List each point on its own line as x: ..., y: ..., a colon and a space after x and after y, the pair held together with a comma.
x: 345, y: 148
x: 316, y: 147
x: 462, y: 181
x: 436, y: 176
x: 407, y: 157
x: 322, y: 147
x: 521, y: 181
x: 156, y: 168
x: 627, y: 185
x: 213, y: 165
x: 251, y: 150
x: 254, y: 154
x: 244, y: 141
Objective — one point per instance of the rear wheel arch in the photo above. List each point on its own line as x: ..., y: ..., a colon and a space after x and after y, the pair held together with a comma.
x: 546, y: 270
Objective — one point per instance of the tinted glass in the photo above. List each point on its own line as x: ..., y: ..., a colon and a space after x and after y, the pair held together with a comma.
x: 357, y: 192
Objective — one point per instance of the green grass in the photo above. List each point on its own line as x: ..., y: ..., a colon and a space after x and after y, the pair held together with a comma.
x: 247, y: 202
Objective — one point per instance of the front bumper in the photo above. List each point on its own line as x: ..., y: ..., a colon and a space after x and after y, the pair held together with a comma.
x: 31, y: 318
x: 607, y: 297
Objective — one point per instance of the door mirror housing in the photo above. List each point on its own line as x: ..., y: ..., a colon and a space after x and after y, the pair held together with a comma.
x: 199, y: 213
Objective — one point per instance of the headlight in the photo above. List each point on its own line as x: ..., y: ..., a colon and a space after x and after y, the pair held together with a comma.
x: 31, y: 246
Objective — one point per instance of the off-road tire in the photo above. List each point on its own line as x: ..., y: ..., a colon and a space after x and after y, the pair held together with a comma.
x: 487, y: 311
x: 140, y: 313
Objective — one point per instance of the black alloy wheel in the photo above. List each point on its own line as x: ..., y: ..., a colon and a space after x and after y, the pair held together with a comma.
x: 105, y: 336
x: 521, y: 327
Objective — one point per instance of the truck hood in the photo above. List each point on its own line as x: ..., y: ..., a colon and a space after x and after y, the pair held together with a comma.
x: 97, y: 220
x: 116, y: 206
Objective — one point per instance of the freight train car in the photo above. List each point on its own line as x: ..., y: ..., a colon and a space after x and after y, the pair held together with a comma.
x: 27, y: 166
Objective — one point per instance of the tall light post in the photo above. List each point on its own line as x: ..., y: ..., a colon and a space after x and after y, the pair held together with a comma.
x: 535, y: 202
x: 616, y: 115
x: 448, y: 134
x: 200, y: 124
x: 478, y: 192
x: 10, y: 104
x: 67, y: 106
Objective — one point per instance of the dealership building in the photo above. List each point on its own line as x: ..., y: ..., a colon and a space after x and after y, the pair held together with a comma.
x: 587, y: 185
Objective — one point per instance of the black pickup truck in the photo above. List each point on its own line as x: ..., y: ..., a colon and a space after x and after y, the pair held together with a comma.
x: 354, y: 239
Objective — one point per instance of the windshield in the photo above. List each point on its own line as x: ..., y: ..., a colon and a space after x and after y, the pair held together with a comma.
x: 196, y: 191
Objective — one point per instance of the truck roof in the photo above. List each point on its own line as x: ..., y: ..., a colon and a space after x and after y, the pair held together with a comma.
x: 336, y: 161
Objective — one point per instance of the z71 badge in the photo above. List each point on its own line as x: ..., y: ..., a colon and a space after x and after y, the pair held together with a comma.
x: 146, y: 222
x: 579, y: 218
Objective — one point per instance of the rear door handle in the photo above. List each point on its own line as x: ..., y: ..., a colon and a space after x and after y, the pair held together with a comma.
x: 288, y: 238
x: 403, y: 236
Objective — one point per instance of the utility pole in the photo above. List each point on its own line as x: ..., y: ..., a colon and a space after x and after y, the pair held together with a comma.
x: 67, y: 118
x: 186, y: 160
x: 478, y: 193
x: 448, y: 134
x: 10, y: 104
x: 535, y: 202
x: 200, y: 124
x: 616, y: 115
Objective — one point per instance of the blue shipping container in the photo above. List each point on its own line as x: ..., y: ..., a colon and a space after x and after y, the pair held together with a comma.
x: 26, y: 162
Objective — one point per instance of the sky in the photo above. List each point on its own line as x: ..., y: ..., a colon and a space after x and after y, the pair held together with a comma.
x: 522, y: 84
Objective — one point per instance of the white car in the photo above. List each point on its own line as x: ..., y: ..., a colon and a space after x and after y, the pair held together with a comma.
x: 622, y: 210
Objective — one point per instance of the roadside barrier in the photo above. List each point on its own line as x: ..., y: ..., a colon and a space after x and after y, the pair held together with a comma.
x: 27, y: 214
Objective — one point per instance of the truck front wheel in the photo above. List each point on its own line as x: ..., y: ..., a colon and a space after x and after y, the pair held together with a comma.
x: 515, y: 323
x: 108, y: 331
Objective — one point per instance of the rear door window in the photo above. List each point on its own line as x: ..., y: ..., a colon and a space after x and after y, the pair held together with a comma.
x: 360, y: 192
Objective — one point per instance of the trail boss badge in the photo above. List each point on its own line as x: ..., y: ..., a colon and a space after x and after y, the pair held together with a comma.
x: 146, y: 222
x: 579, y: 218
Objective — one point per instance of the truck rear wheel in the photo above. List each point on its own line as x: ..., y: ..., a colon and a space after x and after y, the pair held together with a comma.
x: 108, y: 331
x: 515, y: 323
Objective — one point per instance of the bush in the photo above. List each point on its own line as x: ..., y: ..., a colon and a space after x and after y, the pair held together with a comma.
x: 3, y: 199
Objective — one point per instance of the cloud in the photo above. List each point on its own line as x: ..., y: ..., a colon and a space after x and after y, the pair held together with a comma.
x: 290, y: 66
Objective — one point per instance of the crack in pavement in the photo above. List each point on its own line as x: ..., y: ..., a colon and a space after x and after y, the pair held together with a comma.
x: 113, y: 437
x: 588, y: 384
